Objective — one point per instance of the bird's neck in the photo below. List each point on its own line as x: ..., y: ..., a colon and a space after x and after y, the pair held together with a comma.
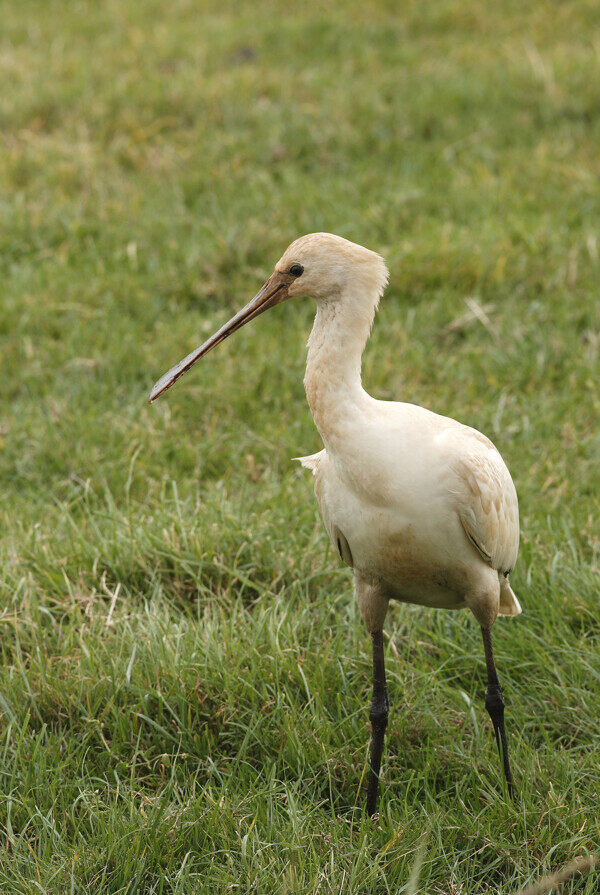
x: 332, y: 381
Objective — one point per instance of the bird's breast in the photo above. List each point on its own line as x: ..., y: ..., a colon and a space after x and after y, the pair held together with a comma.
x: 413, y: 545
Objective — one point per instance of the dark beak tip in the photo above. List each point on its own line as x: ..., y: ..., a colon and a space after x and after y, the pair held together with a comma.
x: 154, y: 394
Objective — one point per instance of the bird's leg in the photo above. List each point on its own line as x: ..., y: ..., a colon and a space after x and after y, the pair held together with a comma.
x: 378, y: 715
x: 494, y: 703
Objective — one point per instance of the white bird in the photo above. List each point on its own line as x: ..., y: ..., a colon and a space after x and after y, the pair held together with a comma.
x: 421, y: 507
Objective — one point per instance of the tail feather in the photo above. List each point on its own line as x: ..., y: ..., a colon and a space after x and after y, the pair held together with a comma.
x: 509, y: 605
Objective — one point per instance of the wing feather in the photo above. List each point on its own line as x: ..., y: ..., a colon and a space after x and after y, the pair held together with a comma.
x: 311, y: 462
x: 487, y: 502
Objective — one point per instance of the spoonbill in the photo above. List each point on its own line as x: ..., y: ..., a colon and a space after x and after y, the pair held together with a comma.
x: 421, y: 507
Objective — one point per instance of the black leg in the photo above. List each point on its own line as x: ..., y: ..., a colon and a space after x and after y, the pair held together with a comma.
x: 494, y: 703
x: 378, y: 715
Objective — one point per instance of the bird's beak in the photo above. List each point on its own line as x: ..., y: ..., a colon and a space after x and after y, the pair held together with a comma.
x: 272, y: 293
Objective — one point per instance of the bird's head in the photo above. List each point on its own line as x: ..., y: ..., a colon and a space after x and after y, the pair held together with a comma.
x: 321, y: 265
x: 324, y: 266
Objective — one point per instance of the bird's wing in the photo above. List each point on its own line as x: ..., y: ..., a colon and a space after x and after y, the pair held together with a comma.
x: 487, y: 501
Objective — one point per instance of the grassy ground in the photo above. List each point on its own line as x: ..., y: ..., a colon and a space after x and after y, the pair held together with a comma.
x: 184, y: 677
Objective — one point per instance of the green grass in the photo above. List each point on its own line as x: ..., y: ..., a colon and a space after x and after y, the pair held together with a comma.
x: 184, y: 675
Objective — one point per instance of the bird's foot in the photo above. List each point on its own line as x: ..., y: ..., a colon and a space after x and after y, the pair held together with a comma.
x: 494, y: 703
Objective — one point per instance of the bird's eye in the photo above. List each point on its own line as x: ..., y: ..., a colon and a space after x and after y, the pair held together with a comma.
x: 296, y: 270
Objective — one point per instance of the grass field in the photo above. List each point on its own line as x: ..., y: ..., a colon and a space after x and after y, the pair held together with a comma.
x: 184, y: 676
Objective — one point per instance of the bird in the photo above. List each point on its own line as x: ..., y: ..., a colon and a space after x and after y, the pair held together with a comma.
x: 421, y: 507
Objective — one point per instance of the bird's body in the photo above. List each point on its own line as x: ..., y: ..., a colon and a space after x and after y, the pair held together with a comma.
x: 411, y: 535
x: 420, y: 506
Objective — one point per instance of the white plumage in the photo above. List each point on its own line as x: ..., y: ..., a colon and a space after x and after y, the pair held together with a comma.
x: 420, y: 506
x: 441, y: 531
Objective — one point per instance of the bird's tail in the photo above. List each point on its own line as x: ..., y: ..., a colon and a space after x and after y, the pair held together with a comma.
x: 509, y: 605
